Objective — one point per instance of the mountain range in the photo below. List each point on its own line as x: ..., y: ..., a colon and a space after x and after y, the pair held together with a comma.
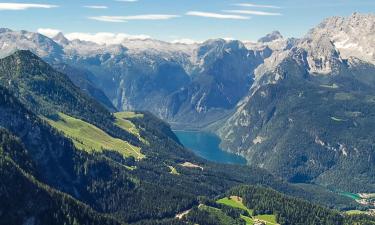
x: 308, y: 116
x: 56, y: 147
x: 301, y: 111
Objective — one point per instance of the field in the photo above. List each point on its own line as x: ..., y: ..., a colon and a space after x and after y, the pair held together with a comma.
x: 236, y: 202
x: 122, y: 121
x: 173, y: 170
x: 355, y: 212
x: 128, y: 115
x: 90, y: 138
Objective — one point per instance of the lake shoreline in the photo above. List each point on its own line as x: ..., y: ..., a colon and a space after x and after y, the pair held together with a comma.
x: 206, y: 144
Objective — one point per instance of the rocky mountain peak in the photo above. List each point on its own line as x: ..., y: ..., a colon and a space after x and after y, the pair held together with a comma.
x: 4, y: 30
x: 61, y: 39
x: 217, y: 47
x: 275, y: 35
x: 320, y: 57
x: 352, y: 36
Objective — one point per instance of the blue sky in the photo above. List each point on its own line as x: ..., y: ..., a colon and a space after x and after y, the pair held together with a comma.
x: 178, y: 19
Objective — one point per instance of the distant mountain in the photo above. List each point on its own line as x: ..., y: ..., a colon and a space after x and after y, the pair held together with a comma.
x: 10, y: 41
x: 82, y: 79
x: 45, y: 91
x: 236, y: 89
x: 352, y: 36
x: 184, y: 84
x: 308, y: 116
x: 178, y: 85
x: 222, y: 77
x: 78, y: 184
x: 275, y: 35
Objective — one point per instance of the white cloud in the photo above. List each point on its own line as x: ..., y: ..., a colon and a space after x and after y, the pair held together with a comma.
x: 185, y: 41
x: 252, y: 12
x: 96, y: 6
x: 121, y: 19
x: 48, y: 32
x: 257, y: 6
x: 229, y: 38
x: 105, y: 38
x: 216, y: 15
x: 24, y: 6
x: 113, y: 19
x: 100, y: 38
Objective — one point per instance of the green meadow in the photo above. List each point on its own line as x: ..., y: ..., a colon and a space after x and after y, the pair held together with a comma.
x: 122, y: 121
x: 173, y: 170
x: 236, y: 202
x: 90, y: 138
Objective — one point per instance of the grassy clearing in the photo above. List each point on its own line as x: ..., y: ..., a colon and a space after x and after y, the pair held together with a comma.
x: 355, y: 212
x: 173, y: 170
x: 269, y: 219
x: 248, y: 220
x: 122, y: 121
x: 131, y: 167
x: 90, y: 138
x: 236, y: 202
x: 129, y: 115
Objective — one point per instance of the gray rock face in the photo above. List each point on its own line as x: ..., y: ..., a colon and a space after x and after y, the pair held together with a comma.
x: 197, y: 83
x: 280, y: 100
x: 306, y: 116
x: 10, y: 41
x: 61, y: 39
x: 187, y: 84
x: 271, y: 37
x: 352, y: 36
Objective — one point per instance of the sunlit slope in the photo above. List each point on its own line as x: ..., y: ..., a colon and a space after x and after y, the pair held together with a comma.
x: 236, y: 202
x: 90, y: 138
x: 122, y: 121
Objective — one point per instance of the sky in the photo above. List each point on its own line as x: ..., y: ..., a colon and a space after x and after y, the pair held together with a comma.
x: 174, y: 20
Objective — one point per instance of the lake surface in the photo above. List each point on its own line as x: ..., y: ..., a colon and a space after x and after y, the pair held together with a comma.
x: 206, y: 145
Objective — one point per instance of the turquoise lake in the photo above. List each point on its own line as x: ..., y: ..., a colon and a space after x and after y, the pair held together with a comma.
x: 206, y: 145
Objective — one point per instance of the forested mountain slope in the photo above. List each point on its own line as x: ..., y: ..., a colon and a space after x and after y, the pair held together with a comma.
x: 24, y: 200
x: 256, y: 204
x: 127, y: 189
x: 310, y: 121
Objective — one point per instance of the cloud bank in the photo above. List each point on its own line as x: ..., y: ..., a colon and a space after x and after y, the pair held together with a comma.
x: 122, y: 19
x: 105, y: 38
x: 253, y: 12
x: 216, y: 15
x: 126, y: 0
x: 48, y: 32
x: 24, y: 6
x: 186, y: 41
x: 96, y: 6
x: 99, y: 38
x: 257, y: 6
